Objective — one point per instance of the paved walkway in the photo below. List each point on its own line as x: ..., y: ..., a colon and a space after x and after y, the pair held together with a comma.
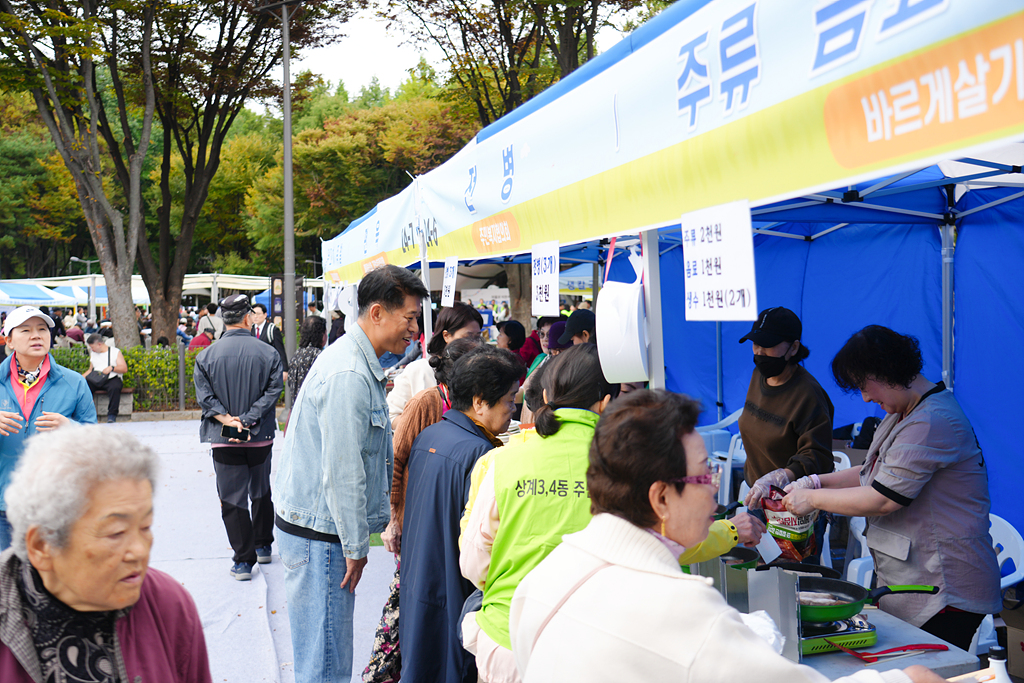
x: 245, y: 622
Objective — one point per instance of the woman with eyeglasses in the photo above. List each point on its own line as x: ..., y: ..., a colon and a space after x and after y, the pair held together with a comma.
x: 611, y: 603
x: 459, y: 321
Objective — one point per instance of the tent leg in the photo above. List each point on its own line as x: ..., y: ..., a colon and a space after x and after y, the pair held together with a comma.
x: 596, y: 285
x: 718, y: 356
x: 948, y: 250
x: 652, y: 301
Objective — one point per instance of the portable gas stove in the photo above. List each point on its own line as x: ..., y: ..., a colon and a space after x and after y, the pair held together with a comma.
x: 852, y: 633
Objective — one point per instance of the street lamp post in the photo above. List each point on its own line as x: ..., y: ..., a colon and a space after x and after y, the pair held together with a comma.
x: 273, y: 7
x: 92, y: 284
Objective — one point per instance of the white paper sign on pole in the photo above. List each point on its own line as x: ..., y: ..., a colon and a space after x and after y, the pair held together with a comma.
x: 451, y: 273
x: 544, y: 271
x: 718, y: 253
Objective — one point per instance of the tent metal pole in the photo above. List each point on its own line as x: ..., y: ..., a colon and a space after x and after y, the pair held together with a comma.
x: 428, y: 318
x: 718, y: 356
x: 652, y: 301
x: 948, y: 250
x: 595, y: 284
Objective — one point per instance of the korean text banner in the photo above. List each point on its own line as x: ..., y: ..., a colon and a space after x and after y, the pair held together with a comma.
x: 722, y: 101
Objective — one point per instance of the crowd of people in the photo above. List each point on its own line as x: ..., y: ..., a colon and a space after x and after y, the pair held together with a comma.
x: 549, y: 552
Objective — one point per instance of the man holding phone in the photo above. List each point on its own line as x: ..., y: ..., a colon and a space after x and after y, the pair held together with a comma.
x: 238, y: 381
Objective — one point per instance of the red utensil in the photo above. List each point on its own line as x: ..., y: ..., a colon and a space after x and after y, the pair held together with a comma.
x: 872, y: 657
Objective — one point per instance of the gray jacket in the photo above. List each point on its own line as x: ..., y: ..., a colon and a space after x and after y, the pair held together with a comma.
x: 240, y: 376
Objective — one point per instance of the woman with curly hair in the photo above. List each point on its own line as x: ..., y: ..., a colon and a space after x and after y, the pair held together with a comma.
x: 924, y: 485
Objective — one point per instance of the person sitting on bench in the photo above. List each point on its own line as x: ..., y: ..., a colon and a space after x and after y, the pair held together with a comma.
x: 106, y: 365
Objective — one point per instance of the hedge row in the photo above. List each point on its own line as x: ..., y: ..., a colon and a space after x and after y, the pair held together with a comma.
x: 153, y: 374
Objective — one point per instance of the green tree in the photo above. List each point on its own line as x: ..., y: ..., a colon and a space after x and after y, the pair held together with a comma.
x: 211, y: 58
x: 54, y: 51
x: 345, y: 168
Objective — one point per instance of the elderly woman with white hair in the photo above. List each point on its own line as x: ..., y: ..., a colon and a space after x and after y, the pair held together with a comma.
x: 78, y: 601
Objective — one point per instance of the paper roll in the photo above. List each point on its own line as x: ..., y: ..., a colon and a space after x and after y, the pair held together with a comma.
x: 622, y: 332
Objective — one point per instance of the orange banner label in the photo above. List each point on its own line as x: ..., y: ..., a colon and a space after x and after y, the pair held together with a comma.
x: 374, y: 262
x: 497, y: 233
x: 970, y: 86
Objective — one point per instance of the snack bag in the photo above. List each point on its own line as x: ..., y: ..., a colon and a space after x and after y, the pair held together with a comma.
x: 794, y: 534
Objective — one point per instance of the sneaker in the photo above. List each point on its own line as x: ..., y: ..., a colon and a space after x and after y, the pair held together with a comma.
x: 263, y: 555
x: 242, y: 571
x: 111, y: 419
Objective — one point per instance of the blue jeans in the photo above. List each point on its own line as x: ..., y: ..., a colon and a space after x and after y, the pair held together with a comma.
x: 5, y: 531
x: 319, y: 609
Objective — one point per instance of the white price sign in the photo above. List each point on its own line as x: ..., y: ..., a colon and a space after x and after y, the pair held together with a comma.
x: 718, y: 253
x: 544, y: 271
x: 451, y: 272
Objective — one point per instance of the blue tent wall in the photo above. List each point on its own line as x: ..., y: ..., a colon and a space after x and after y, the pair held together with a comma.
x: 856, y: 276
x: 989, y: 332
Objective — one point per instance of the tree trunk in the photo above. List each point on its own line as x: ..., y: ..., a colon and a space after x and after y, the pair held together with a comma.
x: 520, y: 284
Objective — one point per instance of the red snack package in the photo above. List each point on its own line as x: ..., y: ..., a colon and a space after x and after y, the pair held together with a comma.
x: 793, y: 533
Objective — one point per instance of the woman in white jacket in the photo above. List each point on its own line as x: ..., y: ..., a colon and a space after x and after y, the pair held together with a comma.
x: 611, y: 603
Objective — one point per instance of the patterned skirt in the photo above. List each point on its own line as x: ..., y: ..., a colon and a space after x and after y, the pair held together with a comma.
x: 386, y: 659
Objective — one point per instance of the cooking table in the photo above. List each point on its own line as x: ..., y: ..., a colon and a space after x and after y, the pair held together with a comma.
x: 894, y: 632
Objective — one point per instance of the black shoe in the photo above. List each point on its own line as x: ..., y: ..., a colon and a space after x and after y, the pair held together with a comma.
x: 111, y: 419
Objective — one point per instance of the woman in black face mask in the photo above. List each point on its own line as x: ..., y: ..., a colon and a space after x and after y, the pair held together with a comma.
x: 786, y: 423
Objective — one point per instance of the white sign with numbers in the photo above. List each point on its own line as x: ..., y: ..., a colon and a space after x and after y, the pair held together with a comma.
x: 718, y: 254
x: 544, y: 271
x: 451, y: 273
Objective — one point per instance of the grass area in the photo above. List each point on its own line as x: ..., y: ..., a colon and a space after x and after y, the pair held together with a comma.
x: 375, y: 540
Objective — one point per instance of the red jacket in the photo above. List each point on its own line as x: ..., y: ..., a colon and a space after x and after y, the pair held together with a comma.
x: 161, y: 638
x: 530, y: 349
x: 200, y: 341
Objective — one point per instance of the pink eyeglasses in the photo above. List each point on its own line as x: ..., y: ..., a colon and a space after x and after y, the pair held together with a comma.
x: 713, y: 477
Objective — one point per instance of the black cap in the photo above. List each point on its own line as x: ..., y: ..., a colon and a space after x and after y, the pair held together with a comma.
x: 233, y: 308
x: 580, y: 320
x: 774, y: 326
x: 236, y: 303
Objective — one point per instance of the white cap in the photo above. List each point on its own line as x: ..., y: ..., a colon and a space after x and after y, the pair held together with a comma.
x: 21, y: 314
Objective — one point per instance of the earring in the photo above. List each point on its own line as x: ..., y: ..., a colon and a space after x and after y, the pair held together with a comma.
x: 662, y: 526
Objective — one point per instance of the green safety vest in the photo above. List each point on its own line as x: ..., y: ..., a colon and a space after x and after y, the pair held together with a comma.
x: 541, y: 491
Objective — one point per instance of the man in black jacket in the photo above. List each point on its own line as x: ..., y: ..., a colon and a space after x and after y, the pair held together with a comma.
x: 264, y: 330
x: 238, y: 381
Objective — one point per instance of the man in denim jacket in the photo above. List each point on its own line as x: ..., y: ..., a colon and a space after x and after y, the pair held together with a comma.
x: 333, y: 484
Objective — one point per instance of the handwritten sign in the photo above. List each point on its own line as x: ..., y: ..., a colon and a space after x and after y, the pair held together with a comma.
x: 451, y: 272
x: 544, y: 271
x: 718, y: 253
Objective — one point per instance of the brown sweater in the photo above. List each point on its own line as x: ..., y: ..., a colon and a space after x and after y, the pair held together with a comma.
x: 788, y: 426
x: 422, y: 410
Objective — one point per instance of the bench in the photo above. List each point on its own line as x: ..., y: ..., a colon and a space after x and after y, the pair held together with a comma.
x: 124, y: 408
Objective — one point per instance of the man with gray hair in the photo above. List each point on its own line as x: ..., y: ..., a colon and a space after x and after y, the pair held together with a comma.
x: 238, y: 381
x: 335, y: 473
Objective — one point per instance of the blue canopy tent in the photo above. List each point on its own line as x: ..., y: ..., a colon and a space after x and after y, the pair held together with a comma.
x: 23, y: 294
x: 264, y: 298
x: 856, y: 223
x: 81, y: 295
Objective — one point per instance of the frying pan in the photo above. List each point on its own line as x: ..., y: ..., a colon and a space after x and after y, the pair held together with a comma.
x: 724, y: 511
x: 741, y: 558
x: 854, y: 597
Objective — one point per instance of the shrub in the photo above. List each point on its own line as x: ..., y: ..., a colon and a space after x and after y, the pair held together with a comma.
x: 153, y: 374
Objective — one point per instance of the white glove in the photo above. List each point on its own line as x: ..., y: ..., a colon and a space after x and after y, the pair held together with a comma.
x: 763, y: 485
x: 809, y: 482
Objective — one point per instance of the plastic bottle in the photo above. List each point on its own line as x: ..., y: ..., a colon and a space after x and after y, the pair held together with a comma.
x: 997, y: 664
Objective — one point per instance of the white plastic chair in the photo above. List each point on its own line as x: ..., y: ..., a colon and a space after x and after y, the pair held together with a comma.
x: 725, y: 486
x: 1009, y: 546
x: 842, y: 460
x: 861, y: 569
